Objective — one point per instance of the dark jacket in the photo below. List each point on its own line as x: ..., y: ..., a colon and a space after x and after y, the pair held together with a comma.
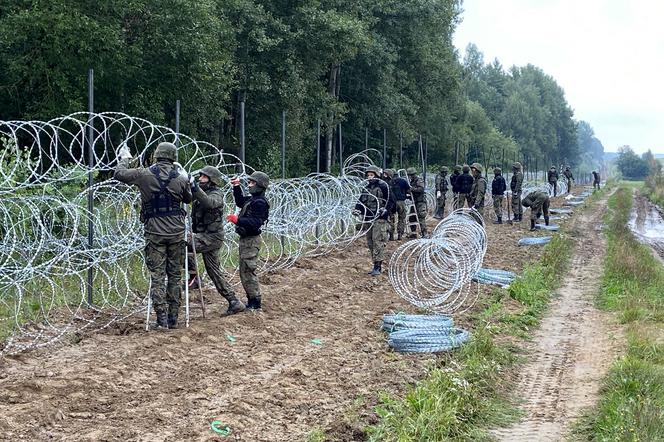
x: 254, y: 212
x: 399, y: 188
x: 162, y: 211
x: 454, y: 181
x: 498, y: 185
x: 552, y: 176
x: 465, y: 183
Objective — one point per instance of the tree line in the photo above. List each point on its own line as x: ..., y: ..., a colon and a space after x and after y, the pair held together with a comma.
x: 370, y: 69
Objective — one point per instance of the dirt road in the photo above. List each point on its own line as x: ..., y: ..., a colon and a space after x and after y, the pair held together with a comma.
x: 265, y: 375
x: 574, y: 347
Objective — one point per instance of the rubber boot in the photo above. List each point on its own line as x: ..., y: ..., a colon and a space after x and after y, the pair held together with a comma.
x: 377, y: 268
x: 173, y: 320
x: 546, y: 220
x: 499, y: 220
x: 254, y: 304
x: 234, y: 306
x: 532, y: 225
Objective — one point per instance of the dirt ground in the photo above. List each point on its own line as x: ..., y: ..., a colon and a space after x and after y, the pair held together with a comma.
x: 314, y: 352
x: 574, y: 347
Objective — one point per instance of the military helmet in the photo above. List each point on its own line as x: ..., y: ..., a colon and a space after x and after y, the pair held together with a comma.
x: 374, y: 169
x: 457, y: 168
x: 444, y: 169
x: 516, y: 166
x: 212, y: 173
x: 260, y: 178
x: 466, y: 168
x: 497, y: 171
x: 389, y: 172
x: 166, y: 151
x: 411, y: 171
x: 478, y: 167
x: 567, y: 168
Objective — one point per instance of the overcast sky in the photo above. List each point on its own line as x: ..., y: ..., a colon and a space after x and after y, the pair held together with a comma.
x: 608, y: 56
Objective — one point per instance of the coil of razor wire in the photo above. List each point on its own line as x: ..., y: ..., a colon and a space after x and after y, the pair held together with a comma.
x: 434, y: 273
x: 44, y: 250
x: 423, y: 333
x: 501, y: 278
x: 535, y: 241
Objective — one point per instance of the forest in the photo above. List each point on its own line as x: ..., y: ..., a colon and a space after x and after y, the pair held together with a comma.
x: 381, y: 72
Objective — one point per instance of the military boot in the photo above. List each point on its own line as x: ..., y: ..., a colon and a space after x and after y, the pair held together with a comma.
x: 391, y: 236
x: 532, y: 225
x: 377, y: 268
x: 162, y: 321
x: 235, y: 306
x: 173, y: 320
x: 253, y: 304
x: 399, y: 235
x: 499, y: 220
x: 546, y: 220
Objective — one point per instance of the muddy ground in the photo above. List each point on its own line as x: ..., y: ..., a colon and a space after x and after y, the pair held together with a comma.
x: 314, y: 353
x: 647, y: 224
x: 574, y: 347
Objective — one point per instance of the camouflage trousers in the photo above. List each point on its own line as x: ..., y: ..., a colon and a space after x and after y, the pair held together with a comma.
x: 209, y: 245
x: 401, y: 215
x: 498, y: 205
x: 537, y: 209
x: 569, y: 185
x: 250, y: 248
x: 440, y: 206
x: 462, y: 200
x: 517, y: 208
x: 164, y: 258
x: 377, y: 237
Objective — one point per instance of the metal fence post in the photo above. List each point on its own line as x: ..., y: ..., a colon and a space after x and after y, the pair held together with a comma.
x: 242, y: 151
x: 91, y: 102
x: 341, y: 153
x: 384, y: 148
x: 283, y: 144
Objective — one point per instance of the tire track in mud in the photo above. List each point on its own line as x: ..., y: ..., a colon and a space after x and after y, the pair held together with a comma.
x: 574, y: 347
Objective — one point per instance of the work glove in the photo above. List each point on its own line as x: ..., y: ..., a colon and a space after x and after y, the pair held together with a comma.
x: 124, y: 153
x: 382, y: 212
x: 438, y: 194
x: 193, y: 183
x: 356, y: 212
x: 232, y: 218
x: 235, y: 182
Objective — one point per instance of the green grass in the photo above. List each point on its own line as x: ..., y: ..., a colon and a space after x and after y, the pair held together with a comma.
x: 631, y: 405
x: 468, y: 392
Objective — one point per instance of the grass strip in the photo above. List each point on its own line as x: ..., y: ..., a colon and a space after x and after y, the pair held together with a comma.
x: 631, y: 405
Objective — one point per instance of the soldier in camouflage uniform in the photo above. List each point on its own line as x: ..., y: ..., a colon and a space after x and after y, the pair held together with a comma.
x: 208, y: 233
x: 538, y: 203
x: 516, y: 187
x: 478, y: 190
x: 595, y: 180
x: 464, y: 183
x: 375, y: 206
x: 399, y: 191
x: 552, y: 177
x: 498, y: 187
x: 417, y: 192
x: 441, y: 192
x: 163, y: 189
x: 254, y: 212
x: 388, y: 175
x: 569, y: 177
x: 455, y: 186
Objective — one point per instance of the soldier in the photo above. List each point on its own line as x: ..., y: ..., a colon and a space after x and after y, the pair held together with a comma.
x: 538, y: 203
x: 254, y: 213
x: 417, y: 192
x: 399, y: 191
x: 516, y: 187
x: 455, y: 187
x: 441, y: 192
x: 595, y: 180
x: 498, y: 187
x: 552, y: 177
x: 464, y: 184
x: 478, y: 190
x: 569, y: 177
x: 208, y: 233
x: 163, y: 190
x: 375, y: 207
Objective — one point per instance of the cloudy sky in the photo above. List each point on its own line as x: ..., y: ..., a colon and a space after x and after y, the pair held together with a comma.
x: 608, y: 56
